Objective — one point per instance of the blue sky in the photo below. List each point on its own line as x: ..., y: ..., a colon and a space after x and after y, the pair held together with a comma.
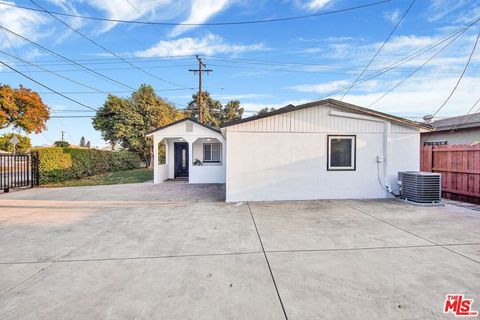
x: 271, y: 64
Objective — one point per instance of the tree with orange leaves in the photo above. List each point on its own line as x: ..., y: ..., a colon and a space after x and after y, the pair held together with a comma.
x: 23, y: 109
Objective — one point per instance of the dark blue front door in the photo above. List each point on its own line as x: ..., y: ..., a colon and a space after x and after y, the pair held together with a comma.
x: 181, y: 159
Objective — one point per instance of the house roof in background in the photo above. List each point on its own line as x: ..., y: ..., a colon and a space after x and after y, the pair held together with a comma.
x: 180, y: 121
x: 461, y: 122
x: 337, y: 103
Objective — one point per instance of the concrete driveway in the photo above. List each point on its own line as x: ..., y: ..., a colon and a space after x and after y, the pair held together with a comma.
x: 175, y: 251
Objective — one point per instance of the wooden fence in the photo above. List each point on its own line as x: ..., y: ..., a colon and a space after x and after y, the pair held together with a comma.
x: 460, y: 169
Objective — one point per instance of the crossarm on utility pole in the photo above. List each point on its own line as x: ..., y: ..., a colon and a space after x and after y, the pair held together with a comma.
x: 199, y: 96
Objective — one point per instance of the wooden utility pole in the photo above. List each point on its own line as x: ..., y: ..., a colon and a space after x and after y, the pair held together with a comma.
x: 63, y: 133
x: 199, y: 96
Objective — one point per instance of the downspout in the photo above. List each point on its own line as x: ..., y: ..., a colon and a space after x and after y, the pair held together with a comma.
x: 386, y: 156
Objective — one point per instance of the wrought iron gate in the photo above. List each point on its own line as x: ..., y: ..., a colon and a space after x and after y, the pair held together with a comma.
x: 18, y: 171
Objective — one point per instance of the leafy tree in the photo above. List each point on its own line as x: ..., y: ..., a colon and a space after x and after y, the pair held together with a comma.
x: 126, y: 120
x: 265, y: 110
x: 211, y: 109
x: 82, y: 142
x: 23, y: 145
x: 232, y: 111
x: 22, y: 109
x: 87, y: 144
x: 61, y: 144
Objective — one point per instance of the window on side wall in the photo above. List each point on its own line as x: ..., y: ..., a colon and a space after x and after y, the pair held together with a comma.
x: 341, y: 153
x: 211, y: 152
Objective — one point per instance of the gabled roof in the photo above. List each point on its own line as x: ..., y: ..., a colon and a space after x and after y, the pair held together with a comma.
x: 180, y: 121
x: 461, y: 122
x: 337, y: 103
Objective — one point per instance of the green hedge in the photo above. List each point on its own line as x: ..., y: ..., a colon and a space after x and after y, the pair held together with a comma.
x: 61, y: 164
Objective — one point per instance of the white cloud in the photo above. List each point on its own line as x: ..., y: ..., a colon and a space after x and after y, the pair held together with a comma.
x: 314, y: 5
x: 200, y: 12
x: 26, y: 23
x: 422, y: 96
x: 469, y: 14
x: 438, y: 9
x: 122, y: 10
x: 311, y: 5
x: 392, y: 16
x: 208, y: 45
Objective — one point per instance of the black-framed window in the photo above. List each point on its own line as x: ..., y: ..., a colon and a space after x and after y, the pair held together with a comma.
x: 211, y: 152
x: 341, y: 152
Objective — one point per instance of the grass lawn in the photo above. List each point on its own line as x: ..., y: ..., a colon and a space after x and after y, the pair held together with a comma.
x: 130, y: 176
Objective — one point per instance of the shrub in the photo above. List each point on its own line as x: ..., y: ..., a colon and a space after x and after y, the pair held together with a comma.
x: 54, y: 164
x: 60, y: 164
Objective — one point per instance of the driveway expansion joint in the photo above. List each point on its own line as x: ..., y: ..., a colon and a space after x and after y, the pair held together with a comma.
x: 268, y: 263
x: 409, y: 232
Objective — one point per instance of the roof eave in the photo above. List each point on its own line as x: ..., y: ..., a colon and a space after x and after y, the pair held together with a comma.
x: 151, y: 132
x: 338, y: 103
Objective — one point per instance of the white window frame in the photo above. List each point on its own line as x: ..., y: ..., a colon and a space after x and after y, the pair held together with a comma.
x: 353, y: 138
x: 211, y: 152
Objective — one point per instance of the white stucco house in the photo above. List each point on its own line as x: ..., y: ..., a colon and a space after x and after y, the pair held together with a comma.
x: 326, y: 149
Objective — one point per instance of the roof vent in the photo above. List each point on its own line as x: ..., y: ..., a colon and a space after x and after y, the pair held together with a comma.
x: 421, y: 187
x: 188, y: 126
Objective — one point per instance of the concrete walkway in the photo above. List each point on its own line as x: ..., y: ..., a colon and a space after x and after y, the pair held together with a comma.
x: 158, y: 252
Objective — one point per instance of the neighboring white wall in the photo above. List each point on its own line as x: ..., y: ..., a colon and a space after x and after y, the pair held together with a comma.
x: 292, y: 164
x: 463, y: 136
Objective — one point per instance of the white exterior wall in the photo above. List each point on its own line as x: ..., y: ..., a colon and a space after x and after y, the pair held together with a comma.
x: 212, y: 173
x: 284, y: 157
x: 208, y: 172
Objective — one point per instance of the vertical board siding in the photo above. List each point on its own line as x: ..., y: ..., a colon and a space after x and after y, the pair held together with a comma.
x: 396, y: 128
x: 460, y: 169
x: 315, y: 119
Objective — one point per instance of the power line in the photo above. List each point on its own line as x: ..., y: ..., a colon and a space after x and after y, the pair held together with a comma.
x: 46, y: 87
x: 324, y: 13
x: 106, y: 60
x: 460, y: 78
x: 418, y: 68
x: 273, y: 69
x: 67, y: 59
x: 18, y: 57
x: 122, y: 68
x: 406, y: 59
x: 143, y: 16
x: 471, y: 109
x: 111, y: 92
x: 70, y: 117
x: 307, y: 71
x: 92, y: 61
x: 52, y: 72
x: 379, y: 49
x: 105, y: 48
